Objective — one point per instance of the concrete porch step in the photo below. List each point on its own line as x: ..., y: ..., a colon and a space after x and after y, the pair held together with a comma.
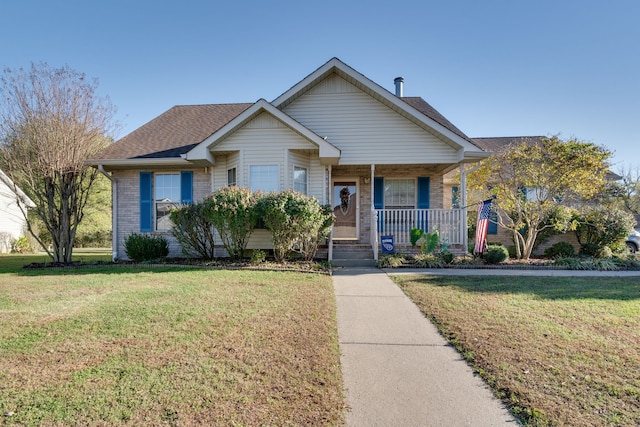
x: 353, y: 263
x: 352, y: 255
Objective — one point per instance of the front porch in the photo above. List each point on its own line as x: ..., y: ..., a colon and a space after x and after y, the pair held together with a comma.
x: 450, y: 224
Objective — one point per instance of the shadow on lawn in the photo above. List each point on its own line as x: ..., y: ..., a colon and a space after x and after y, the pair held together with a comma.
x: 550, y: 288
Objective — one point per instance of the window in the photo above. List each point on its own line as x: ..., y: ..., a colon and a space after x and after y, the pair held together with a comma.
x: 167, y: 195
x: 232, y: 177
x: 264, y: 178
x: 158, y: 193
x: 300, y: 179
x: 400, y: 193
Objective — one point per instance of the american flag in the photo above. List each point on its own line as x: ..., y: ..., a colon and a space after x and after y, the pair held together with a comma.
x: 484, y: 208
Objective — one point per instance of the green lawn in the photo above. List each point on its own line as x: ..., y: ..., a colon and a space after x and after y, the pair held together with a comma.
x: 559, y: 351
x: 142, y: 346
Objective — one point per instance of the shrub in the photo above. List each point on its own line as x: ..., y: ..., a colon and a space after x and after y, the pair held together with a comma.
x: 21, y: 245
x: 145, y: 247
x: 604, y: 252
x: 297, y: 223
x: 192, y: 230
x: 590, y: 249
x: 604, y: 226
x: 391, y: 261
x: 447, y: 257
x: 495, y: 254
x: 428, y: 261
x: 258, y: 256
x: 232, y: 211
x: 560, y: 249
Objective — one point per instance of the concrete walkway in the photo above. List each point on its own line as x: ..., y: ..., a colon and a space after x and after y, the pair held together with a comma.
x: 397, y: 369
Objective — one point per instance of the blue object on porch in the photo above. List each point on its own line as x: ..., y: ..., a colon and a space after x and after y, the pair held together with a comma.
x: 386, y: 242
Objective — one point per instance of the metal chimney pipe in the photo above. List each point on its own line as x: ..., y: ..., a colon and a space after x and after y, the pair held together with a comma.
x: 399, y: 82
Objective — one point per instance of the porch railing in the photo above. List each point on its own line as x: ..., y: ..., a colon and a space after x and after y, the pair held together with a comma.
x: 399, y: 222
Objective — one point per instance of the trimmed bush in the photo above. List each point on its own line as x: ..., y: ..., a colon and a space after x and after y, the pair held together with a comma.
x: 560, y: 249
x: 145, y: 247
x: 590, y: 249
x: 495, y: 254
x: 192, y: 230
x: 297, y: 223
x: 604, y: 226
x: 232, y: 211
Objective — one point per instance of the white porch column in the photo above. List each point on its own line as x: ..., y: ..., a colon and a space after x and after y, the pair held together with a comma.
x: 463, y: 205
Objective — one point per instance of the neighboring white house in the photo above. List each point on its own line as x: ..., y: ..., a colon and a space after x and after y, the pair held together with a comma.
x: 12, y: 222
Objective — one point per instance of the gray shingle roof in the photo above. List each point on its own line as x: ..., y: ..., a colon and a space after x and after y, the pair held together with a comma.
x: 174, y: 132
x: 494, y: 144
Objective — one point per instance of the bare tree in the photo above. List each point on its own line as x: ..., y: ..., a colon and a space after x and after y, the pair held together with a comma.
x: 51, y: 123
x: 629, y: 189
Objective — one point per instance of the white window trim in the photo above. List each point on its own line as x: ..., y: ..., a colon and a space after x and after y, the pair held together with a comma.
x: 306, y: 183
x: 155, y: 199
x: 235, y: 166
x: 415, y: 193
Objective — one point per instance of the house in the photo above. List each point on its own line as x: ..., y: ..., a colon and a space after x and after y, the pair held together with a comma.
x: 377, y: 157
x: 12, y: 203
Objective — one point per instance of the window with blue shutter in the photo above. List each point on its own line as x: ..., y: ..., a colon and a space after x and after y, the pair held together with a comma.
x: 168, y: 191
x: 146, y: 202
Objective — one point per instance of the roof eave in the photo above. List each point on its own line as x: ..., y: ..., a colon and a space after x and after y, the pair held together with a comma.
x: 141, y: 163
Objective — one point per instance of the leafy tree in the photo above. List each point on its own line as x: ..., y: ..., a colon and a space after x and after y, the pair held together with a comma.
x: 536, y: 183
x: 51, y: 123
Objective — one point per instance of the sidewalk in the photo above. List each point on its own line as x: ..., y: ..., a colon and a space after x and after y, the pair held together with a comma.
x: 397, y: 369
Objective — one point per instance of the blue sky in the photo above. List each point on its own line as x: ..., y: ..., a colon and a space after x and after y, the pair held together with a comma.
x: 493, y: 68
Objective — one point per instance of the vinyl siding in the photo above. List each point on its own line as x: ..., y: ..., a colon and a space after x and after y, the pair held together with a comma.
x: 11, y: 219
x: 265, y: 141
x: 364, y: 129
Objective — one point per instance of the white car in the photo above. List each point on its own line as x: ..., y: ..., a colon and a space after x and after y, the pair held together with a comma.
x: 633, y: 241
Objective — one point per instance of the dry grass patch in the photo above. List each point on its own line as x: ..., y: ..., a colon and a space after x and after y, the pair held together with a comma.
x: 559, y: 351
x: 139, y: 346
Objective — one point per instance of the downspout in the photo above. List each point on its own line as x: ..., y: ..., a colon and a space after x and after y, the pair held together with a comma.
x: 330, y: 194
x: 374, y: 216
x: 463, y: 202
x: 114, y: 212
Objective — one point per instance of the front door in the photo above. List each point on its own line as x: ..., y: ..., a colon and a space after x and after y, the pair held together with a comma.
x: 346, y: 208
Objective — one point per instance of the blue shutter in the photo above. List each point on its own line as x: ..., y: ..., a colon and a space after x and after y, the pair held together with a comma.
x: 423, y: 192
x: 186, y: 188
x: 422, y: 221
x: 492, y: 228
x: 378, y: 192
x: 378, y: 199
x: 146, y: 201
